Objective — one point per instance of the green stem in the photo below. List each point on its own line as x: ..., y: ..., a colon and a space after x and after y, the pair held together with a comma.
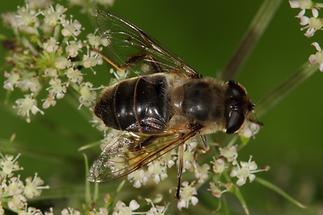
x: 278, y: 190
x: 241, y: 199
x: 73, y: 191
x: 236, y: 191
x: 96, y: 192
x: 7, y: 146
x: 87, y: 183
x: 90, y: 145
x: 254, y: 32
x: 281, y: 91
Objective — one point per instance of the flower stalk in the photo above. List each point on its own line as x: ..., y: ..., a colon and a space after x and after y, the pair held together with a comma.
x: 254, y: 32
x: 282, y: 90
x: 276, y: 189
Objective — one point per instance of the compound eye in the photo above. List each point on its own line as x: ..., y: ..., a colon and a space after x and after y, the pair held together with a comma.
x: 234, y: 121
x: 236, y: 91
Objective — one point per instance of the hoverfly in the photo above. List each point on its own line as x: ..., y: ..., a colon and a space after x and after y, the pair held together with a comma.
x: 160, y: 110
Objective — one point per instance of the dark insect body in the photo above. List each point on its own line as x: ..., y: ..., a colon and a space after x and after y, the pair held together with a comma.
x: 147, y: 104
x: 160, y: 109
x: 136, y: 105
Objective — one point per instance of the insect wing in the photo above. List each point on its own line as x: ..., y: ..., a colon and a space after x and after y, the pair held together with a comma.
x: 131, y: 48
x: 133, y: 155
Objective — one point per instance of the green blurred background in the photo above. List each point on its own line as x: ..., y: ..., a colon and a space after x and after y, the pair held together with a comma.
x: 204, y: 34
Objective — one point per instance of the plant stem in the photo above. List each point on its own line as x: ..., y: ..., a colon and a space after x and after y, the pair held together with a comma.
x: 241, y: 199
x: 87, y: 183
x: 7, y: 146
x: 90, y: 145
x: 282, y: 90
x: 276, y: 189
x: 255, y: 30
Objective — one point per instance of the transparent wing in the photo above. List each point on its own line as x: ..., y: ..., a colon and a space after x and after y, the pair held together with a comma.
x: 129, y: 154
x: 131, y: 48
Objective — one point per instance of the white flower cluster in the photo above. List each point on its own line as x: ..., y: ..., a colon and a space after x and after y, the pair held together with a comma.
x: 311, y: 23
x: 14, y: 193
x: 122, y: 209
x: 47, y: 57
x: 188, y: 195
x: 156, y: 171
x: 226, y: 163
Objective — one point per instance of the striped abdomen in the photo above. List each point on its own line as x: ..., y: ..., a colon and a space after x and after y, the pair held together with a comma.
x: 138, y: 105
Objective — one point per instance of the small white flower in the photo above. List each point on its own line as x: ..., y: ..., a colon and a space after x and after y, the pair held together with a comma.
x: 12, y: 80
x: 74, y: 75
x: 187, y: 195
x: 138, y: 178
x: 8, y: 164
x: 188, y: 155
x: 189, y: 161
x: 57, y: 88
x: 249, y: 129
x: 29, y: 84
x: 96, y: 41
x: 27, y: 20
x: 17, y: 203
x: 25, y: 106
x: 97, y: 123
x: 87, y: 94
x: 91, y: 59
x: 50, y: 72
x: 62, y: 63
x: 101, y: 211
x: 53, y: 16
x: 122, y: 209
x: 15, y: 187
x: 51, y: 45
x: 34, y: 186
x: 71, y: 28
x: 229, y: 152
x: 155, y: 209
x: 302, y: 4
x: 118, y: 75
x: 157, y: 171
x: 311, y: 24
x: 202, y: 172
x: 219, y: 165
x: 50, y: 212
x: 169, y: 159
x: 245, y: 171
x: 10, y: 19
x: 216, y: 190
x: 73, y: 48
x: 70, y: 211
x: 49, y: 101
x: 317, y: 58
x: 30, y: 211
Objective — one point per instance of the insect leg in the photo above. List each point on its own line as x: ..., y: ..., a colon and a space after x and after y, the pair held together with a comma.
x: 205, y: 146
x: 109, y: 61
x: 180, y: 170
